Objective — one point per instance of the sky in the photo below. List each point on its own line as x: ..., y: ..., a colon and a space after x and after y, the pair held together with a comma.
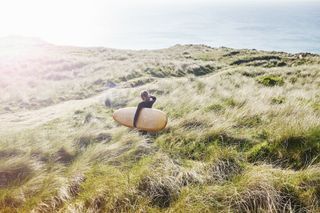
x: 85, y: 22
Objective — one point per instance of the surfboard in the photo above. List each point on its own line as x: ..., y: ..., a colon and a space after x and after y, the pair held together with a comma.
x: 149, y: 119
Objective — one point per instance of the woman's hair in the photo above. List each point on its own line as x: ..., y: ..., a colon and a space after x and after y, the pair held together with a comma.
x: 144, y: 94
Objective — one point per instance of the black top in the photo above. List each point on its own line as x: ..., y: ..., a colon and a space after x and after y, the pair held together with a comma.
x: 143, y: 104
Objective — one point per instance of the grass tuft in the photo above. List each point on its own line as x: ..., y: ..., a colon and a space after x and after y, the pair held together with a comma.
x: 242, y: 133
x: 294, y: 151
x: 270, y: 81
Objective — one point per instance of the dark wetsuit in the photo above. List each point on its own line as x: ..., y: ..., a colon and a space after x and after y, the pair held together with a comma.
x: 143, y: 104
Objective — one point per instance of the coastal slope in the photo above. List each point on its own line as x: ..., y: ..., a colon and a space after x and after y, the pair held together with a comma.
x: 243, y: 133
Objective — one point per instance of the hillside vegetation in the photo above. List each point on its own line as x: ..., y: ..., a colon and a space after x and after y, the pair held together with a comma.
x: 243, y: 133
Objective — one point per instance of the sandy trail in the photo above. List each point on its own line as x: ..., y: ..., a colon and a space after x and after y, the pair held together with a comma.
x: 30, y: 119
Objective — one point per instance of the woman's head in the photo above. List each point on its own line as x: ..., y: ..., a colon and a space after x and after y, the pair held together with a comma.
x: 144, y: 95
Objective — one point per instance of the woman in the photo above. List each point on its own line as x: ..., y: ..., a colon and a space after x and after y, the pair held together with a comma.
x: 148, y: 101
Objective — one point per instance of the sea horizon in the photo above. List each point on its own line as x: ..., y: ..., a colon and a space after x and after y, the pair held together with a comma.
x: 286, y: 27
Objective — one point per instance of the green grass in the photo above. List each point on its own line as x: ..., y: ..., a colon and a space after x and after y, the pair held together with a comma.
x: 294, y: 150
x: 242, y: 135
x: 270, y: 81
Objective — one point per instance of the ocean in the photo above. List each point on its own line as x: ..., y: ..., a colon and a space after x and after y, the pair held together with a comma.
x: 290, y: 27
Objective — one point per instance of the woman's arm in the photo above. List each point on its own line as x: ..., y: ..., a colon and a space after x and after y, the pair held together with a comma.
x: 136, y: 115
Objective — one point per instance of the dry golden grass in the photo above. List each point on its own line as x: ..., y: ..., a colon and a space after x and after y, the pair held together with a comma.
x: 243, y: 132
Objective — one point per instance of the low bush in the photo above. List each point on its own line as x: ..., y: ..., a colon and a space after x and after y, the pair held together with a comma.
x: 270, y: 80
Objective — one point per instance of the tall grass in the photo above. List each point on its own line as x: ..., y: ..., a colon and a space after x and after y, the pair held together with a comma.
x: 234, y: 142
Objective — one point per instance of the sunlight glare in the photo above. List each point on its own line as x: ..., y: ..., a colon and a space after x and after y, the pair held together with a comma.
x: 67, y: 22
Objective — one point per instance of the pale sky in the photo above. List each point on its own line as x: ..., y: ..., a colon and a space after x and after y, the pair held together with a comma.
x: 80, y: 22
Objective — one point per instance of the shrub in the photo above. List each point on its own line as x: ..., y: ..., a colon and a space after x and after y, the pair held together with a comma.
x: 270, y: 80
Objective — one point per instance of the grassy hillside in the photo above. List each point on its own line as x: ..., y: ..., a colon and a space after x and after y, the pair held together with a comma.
x: 243, y: 132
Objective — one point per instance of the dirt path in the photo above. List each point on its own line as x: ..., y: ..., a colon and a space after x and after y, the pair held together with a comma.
x: 22, y: 120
